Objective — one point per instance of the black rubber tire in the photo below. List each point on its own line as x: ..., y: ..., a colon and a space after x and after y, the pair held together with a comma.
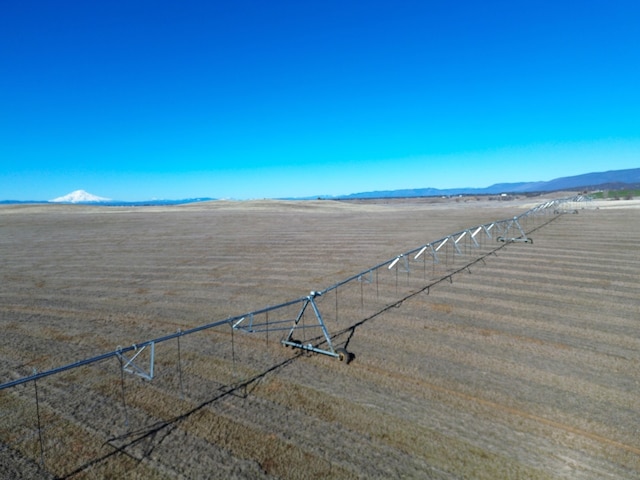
x: 343, y: 355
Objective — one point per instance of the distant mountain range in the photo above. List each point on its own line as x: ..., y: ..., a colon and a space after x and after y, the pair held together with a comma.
x: 82, y: 197
x: 86, y: 198
x: 614, y: 180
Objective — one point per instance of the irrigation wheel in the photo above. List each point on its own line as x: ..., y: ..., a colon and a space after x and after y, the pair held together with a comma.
x: 343, y: 355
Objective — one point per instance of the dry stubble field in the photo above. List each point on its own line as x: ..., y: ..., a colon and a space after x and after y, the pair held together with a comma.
x: 524, y: 365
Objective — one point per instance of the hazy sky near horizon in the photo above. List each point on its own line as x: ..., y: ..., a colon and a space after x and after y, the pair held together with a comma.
x: 141, y: 99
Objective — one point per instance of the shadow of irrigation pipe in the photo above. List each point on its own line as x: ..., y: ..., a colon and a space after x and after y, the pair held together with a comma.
x: 352, y: 329
x: 161, y: 430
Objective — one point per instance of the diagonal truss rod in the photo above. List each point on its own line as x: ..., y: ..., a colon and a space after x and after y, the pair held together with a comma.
x: 130, y: 365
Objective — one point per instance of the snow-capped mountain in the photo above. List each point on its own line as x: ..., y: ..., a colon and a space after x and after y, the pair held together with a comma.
x: 79, y: 196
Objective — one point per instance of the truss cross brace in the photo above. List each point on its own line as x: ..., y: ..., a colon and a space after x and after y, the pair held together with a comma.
x: 131, y: 367
x: 397, y: 259
x: 366, y: 277
x: 430, y: 250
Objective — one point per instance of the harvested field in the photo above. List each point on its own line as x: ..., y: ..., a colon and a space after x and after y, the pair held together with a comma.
x: 523, y: 365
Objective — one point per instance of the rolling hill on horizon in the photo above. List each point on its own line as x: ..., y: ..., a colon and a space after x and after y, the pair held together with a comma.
x: 613, y: 180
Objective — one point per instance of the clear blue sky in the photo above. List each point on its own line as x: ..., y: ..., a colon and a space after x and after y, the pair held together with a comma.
x: 142, y: 99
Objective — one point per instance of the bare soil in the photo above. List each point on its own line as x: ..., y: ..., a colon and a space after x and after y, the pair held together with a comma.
x: 505, y: 361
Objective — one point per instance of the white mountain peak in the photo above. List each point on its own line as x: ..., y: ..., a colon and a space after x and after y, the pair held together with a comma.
x: 79, y: 196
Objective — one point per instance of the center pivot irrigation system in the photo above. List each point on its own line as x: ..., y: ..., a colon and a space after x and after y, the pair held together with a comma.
x: 506, y: 231
x: 133, y: 361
